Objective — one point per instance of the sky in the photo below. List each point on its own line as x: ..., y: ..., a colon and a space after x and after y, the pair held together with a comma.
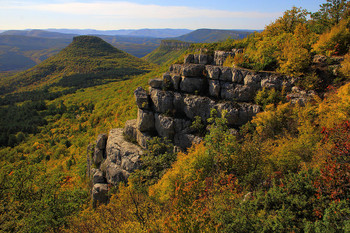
x: 137, y: 14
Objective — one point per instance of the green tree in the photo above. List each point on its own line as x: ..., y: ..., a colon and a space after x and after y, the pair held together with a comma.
x: 330, y: 14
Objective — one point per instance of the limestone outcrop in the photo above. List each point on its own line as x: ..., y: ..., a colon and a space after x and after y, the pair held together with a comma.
x: 190, y: 90
x: 186, y: 93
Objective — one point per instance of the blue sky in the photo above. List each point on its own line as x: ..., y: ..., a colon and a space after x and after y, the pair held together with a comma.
x: 135, y: 14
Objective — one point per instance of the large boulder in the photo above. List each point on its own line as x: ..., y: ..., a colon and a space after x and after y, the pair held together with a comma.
x: 226, y: 74
x: 214, y: 88
x: 123, y: 157
x: 176, y: 79
x: 182, y: 125
x: 130, y: 129
x: 165, y: 126
x: 145, y: 120
x: 99, y: 155
x: 133, y: 133
x: 193, y: 70
x: 142, y: 99
x: 175, y: 69
x: 192, y: 85
x: 101, y: 141
x: 179, y: 104
x: 198, y: 106
x: 189, y: 59
x: 243, y: 93
x: 100, y: 194
x: 228, y: 91
x: 237, y: 76
x: 167, y: 81
x: 201, y: 59
x: 162, y: 100
x: 98, y: 177
x: 252, y: 80
x: 156, y: 83
x: 272, y: 81
x: 213, y: 72
x: 221, y: 56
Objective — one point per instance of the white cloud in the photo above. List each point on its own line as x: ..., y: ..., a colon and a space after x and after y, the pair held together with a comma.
x: 130, y: 10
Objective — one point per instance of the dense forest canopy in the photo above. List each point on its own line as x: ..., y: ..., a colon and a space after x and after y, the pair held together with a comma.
x: 288, y: 170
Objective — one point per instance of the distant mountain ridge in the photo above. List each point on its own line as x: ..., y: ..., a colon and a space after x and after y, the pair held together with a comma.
x: 146, y: 32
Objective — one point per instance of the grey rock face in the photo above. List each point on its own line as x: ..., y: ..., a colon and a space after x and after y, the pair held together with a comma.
x: 122, y: 157
x: 228, y: 91
x: 100, y: 193
x: 300, y: 97
x: 243, y: 93
x: 165, y: 126
x: 252, y: 80
x: 101, y: 141
x: 189, y: 59
x: 179, y: 104
x: 145, y: 120
x: 167, y: 81
x: 221, y: 56
x: 162, y: 100
x: 192, y: 85
x: 130, y: 128
x: 198, y: 106
x: 133, y: 132
x: 182, y: 125
x: 142, y: 139
x: 214, y: 88
x: 142, y: 99
x: 231, y: 112
x: 176, y: 81
x: 226, y: 74
x: 213, y: 72
x: 98, y: 156
x: 201, y: 59
x: 237, y: 76
x: 272, y: 82
x: 246, y: 112
x: 176, y: 69
x: 98, y: 178
x: 156, y: 83
x: 193, y: 70
x: 186, y: 140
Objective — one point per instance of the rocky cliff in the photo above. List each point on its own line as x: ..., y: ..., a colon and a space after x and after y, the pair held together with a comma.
x: 186, y: 93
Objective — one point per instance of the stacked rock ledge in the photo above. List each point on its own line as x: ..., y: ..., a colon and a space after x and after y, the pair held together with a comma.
x: 184, y: 93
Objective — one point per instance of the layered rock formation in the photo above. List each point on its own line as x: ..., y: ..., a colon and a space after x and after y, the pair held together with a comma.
x: 191, y: 90
x: 186, y: 93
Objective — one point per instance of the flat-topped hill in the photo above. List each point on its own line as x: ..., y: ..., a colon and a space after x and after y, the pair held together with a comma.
x: 83, y: 62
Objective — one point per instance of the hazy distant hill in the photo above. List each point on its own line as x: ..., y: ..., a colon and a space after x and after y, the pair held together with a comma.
x: 213, y: 35
x: 87, y: 61
x: 39, y: 33
x: 23, y: 52
x: 155, y: 33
